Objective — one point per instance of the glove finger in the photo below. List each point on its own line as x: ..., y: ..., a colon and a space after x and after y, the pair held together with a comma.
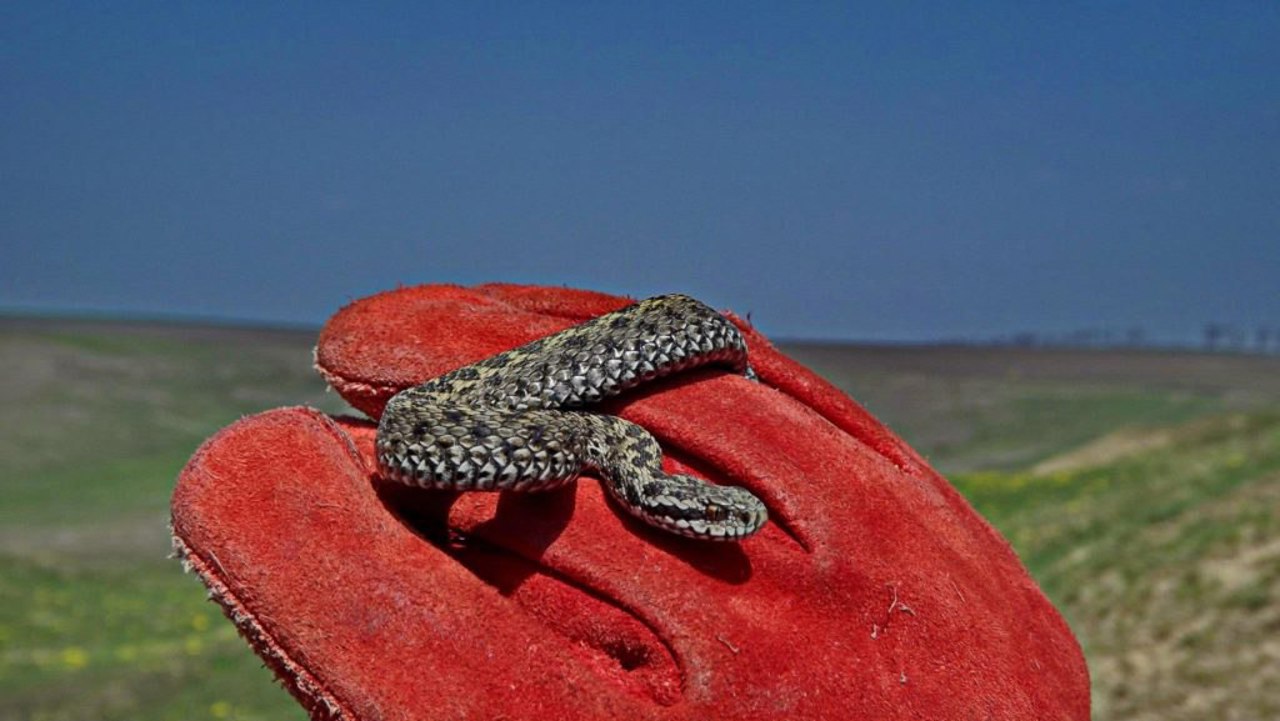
x: 362, y: 619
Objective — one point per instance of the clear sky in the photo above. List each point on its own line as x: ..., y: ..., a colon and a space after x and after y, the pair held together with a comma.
x: 907, y: 171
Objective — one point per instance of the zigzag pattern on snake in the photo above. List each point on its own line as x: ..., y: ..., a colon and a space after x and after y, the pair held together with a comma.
x: 512, y: 421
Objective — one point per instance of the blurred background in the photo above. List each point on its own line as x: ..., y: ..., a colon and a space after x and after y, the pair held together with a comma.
x: 1040, y: 242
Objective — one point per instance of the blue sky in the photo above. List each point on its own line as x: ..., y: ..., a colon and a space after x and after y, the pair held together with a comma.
x: 906, y: 171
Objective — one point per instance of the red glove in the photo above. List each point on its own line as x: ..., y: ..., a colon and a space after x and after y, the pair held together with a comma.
x: 875, y: 592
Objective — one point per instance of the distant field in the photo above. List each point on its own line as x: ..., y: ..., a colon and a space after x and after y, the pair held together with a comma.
x: 1140, y: 488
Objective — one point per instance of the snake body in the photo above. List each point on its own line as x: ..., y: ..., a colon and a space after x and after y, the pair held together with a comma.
x: 512, y: 421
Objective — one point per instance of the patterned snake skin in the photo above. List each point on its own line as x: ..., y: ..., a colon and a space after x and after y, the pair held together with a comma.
x: 504, y: 423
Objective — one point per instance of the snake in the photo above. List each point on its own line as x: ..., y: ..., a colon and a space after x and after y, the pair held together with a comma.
x: 520, y: 420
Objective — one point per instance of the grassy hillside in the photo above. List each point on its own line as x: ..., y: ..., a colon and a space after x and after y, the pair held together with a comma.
x: 95, y: 619
x: 1139, y: 488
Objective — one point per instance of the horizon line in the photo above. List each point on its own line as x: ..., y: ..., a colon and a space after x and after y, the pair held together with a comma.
x: 228, y: 322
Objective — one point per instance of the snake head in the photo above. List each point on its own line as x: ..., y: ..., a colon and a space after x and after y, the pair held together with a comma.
x: 691, y: 507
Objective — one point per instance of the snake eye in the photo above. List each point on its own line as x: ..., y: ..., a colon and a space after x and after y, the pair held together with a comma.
x: 713, y: 513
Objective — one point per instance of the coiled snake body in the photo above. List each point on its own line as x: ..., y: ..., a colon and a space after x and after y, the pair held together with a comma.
x: 509, y: 422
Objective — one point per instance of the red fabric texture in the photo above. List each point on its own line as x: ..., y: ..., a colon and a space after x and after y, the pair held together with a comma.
x: 875, y: 592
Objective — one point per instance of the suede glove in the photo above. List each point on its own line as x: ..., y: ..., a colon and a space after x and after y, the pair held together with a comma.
x: 874, y: 592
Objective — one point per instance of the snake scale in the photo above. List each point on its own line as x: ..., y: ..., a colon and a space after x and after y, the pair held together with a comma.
x: 512, y: 421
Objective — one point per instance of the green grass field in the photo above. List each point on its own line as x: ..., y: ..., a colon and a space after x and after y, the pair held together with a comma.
x: 1140, y: 488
